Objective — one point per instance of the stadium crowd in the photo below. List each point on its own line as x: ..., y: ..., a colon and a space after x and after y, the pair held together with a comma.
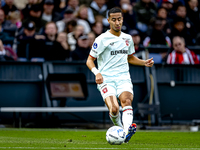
x: 64, y: 30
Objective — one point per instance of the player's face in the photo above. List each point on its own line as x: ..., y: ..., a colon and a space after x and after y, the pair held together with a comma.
x: 115, y: 21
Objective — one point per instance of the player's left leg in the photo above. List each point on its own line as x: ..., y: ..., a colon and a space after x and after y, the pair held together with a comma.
x: 125, y: 95
x: 126, y: 99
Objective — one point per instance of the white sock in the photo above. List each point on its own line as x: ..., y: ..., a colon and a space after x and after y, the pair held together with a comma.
x: 127, y: 117
x: 116, y: 119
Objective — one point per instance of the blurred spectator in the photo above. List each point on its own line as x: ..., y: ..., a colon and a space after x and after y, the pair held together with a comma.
x: 6, y: 53
x: 51, y: 48
x: 157, y: 37
x: 193, y: 13
x: 20, y: 4
x: 62, y: 39
x: 48, y: 12
x: 176, y: 3
x: 146, y: 11
x: 83, y: 13
x: 60, y: 5
x: 71, y: 25
x: 181, y: 54
x: 179, y: 29
x: 5, y: 37
x: 98, y: 10
x: 136, y: 40
x: 162, y: 14
x: 73, y: 4
x: 35, y: 16
x: 9, y: 6
x: 82, y: 48
x: 83, y: 21
x: 91, y: 38
x: 85, y: 2
x: 168, y: 5
x: 97, y: 28
x: 25, y: 40
x: 129, y: 16
x: 15, y: 18
x: 69, y: 16
x: 25, y: 11
x: 181, y: 12
x: 7, y: 25
x: 73, y: 36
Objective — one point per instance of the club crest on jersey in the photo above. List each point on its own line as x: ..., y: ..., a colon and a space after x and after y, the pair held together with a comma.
x: 105, y: 90
x: 95, y: 45
x: 127, y: 43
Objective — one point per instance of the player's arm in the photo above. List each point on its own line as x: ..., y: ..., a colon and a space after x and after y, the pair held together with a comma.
x: 136, y: 61
x: 90, y: 64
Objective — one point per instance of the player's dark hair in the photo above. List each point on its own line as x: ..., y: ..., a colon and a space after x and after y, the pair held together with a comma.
x: 115, y: 10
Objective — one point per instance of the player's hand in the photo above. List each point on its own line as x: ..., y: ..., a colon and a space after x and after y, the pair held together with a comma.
x: 149, y: 62
x: 99, y: 78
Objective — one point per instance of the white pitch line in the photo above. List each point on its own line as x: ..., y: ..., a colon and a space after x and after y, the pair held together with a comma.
x: 58, y: 148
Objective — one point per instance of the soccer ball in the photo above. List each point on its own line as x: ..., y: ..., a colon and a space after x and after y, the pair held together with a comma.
x: 115, y: 135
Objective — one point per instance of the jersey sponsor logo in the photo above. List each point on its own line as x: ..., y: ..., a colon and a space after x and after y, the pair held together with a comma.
x: 119, y: 52
x: 95, y: 45
x: 105, y: 90
x: 112, y: 43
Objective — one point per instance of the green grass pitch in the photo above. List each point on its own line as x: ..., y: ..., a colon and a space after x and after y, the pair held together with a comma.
x: 61, y: 139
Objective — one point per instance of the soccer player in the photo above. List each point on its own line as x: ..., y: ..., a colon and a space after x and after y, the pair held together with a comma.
x: 114, y: 50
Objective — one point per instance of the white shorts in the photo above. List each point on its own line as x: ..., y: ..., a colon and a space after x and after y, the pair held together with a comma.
x: 115, y: 87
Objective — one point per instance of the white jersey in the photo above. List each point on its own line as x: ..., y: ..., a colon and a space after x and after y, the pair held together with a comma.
x: 111, y: 52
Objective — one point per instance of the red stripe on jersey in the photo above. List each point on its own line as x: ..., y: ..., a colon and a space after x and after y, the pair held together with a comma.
x: 93, y: 57
x: 127, y: 109
x: 131, y: 54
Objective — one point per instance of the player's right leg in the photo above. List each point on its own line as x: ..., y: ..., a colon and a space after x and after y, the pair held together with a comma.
x: 113, y: 106
x: 108, y: 93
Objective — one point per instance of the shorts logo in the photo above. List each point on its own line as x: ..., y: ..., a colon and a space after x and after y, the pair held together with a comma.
x: 95, y: 45
x: 127, y: 43
x: 105, y: 90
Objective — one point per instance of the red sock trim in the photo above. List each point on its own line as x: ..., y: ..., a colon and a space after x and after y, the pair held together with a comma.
x: 113, y: 116
x: 128, y: 109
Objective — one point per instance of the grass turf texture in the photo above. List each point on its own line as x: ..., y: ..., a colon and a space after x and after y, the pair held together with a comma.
x: 58, y: 139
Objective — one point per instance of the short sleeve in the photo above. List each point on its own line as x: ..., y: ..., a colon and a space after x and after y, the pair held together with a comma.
x: 97, y: 48
x: 131, y: 50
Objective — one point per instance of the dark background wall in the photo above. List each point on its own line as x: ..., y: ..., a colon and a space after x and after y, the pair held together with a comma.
x: 22, y: 84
